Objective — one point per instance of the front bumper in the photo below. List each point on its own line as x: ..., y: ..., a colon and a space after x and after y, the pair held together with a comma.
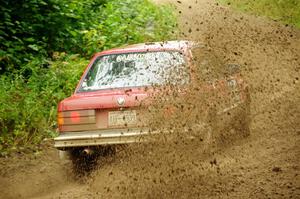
x: 101, y: 137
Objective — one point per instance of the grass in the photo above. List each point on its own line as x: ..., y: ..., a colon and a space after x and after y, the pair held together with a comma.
x: 286, y: 11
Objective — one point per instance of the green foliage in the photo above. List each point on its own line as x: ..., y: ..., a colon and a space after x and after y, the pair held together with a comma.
x: 31, y: 28
x: 128, y: 21
x: 287, y: 11
x: 28, y: 106
x: 44, y: 46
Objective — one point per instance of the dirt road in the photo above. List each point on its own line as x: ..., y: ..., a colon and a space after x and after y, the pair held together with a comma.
x: 264, y: 165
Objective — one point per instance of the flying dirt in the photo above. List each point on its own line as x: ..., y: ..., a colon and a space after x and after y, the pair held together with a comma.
x: 264, y: 164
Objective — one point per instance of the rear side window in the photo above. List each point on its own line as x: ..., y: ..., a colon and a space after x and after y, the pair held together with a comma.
x: 208, y: 65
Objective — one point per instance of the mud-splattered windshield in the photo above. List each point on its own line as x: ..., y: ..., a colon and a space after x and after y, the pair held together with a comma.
x: 136, y: 69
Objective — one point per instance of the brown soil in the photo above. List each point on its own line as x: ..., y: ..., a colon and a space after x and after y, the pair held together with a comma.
x: 263, y: 165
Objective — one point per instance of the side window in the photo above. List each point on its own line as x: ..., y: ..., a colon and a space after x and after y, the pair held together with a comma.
x: 207, y: 64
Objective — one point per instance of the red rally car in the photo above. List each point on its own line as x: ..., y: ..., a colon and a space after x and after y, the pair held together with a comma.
x: 105, y: 107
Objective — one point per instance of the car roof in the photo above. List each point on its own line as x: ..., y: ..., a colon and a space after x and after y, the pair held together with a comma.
x: 180, y: 45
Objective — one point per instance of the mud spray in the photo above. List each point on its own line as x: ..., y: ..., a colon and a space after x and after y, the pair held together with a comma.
x: 264, y: 164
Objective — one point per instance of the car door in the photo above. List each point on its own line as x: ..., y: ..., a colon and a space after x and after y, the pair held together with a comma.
x: 222, y: 83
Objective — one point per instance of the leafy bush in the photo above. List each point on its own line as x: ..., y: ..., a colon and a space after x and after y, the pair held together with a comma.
x: 28, y: 106
x: 31, y: 28
x: 283, y: 10
x: 128, y: 21
x: 44, y: 47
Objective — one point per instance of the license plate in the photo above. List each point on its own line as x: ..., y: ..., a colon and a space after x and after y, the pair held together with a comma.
x: 121, y: 118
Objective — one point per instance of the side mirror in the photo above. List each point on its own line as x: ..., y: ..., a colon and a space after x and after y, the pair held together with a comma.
x: 232, y: 69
